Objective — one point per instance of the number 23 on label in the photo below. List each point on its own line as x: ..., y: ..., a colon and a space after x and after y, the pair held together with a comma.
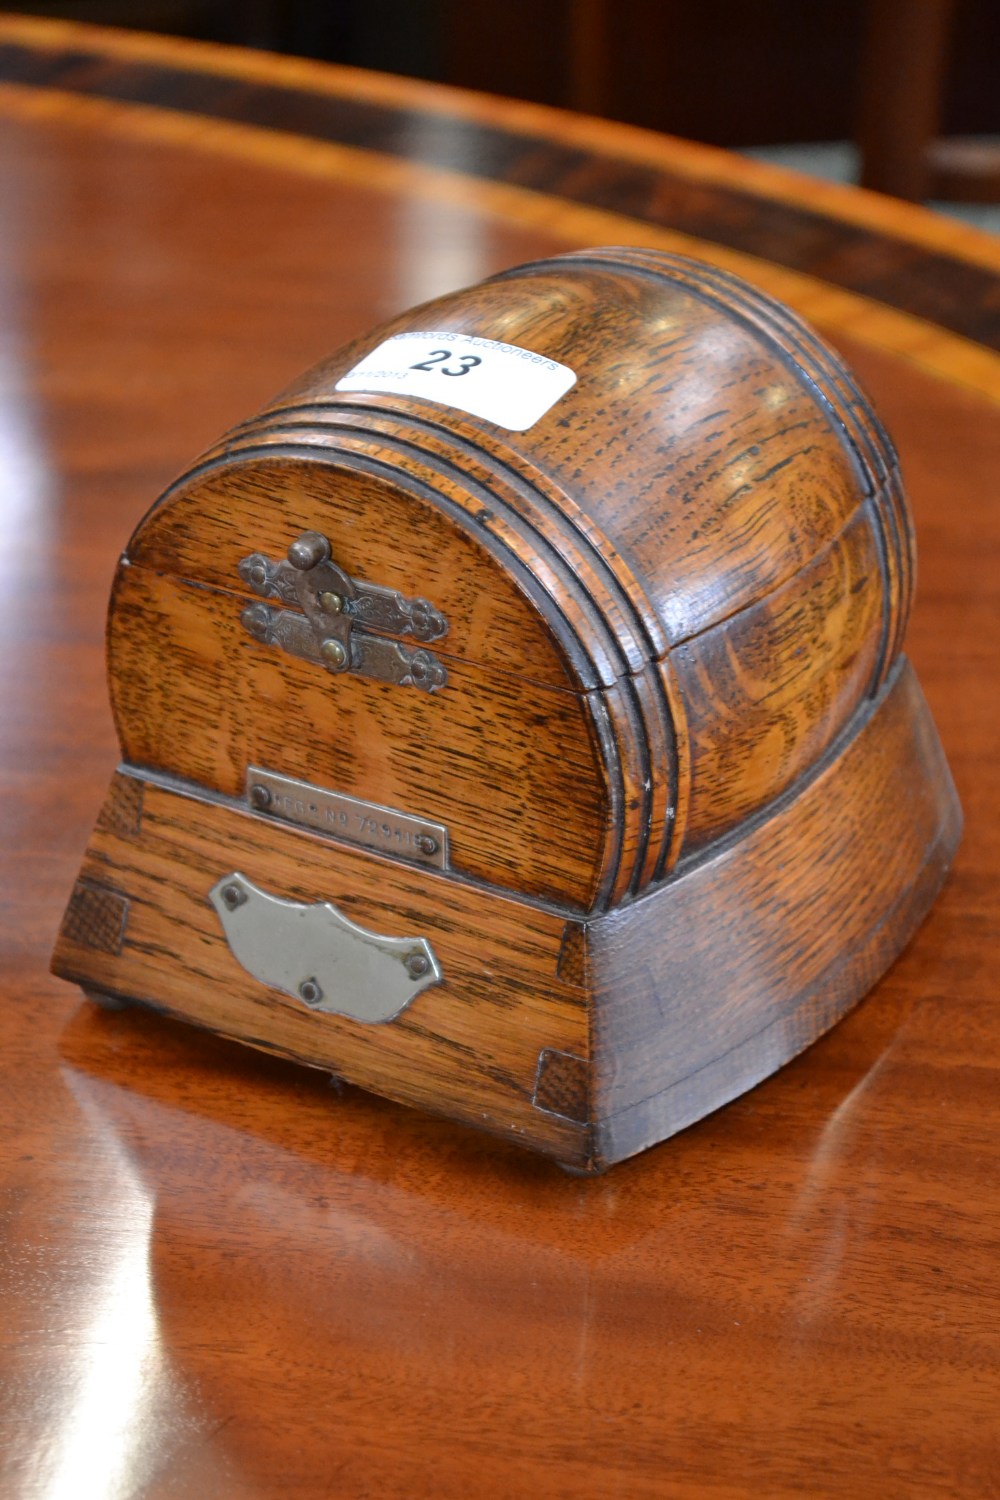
x: 436, y: 362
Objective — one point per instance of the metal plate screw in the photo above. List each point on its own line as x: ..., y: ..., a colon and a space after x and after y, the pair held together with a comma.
x: 332, y: 603
x: 426, y: 844
x: 310, y: 992
x: 261, y: 796
x: 333, y: 653
x: 233, y: 896
x: 417, y: 965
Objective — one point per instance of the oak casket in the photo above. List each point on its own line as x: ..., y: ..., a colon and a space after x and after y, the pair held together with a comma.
x: 513, y: 719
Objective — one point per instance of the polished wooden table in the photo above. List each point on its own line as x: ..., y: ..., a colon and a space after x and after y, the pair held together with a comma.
x: 220, y: 1278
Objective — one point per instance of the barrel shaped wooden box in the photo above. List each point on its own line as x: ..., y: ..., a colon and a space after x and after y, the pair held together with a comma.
x: 513, y: 718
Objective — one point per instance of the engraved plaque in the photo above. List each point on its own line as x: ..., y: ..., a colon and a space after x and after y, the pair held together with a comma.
x: 383, y: 829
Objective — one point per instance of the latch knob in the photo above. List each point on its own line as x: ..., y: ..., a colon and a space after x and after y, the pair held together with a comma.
x: 308, y: 550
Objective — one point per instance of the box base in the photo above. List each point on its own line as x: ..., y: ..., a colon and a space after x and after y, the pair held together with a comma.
x: 587, y: 1040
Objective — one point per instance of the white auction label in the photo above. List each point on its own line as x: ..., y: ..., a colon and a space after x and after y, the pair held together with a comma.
x: 509, y: 386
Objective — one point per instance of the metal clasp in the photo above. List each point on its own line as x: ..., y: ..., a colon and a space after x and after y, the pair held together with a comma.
x: 334, y: 607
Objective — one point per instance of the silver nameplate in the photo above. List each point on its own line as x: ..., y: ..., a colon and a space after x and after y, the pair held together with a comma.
x: 319, y: 956
x: 366, y: 823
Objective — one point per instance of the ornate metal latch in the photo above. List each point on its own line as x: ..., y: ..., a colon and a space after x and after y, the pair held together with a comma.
x: 334, y: 607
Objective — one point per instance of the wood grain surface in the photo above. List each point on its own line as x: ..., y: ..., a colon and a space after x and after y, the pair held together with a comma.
x: 587, y: 1041
x: 713, y: 505
x: 473, y: 1040
x: 222, y: 1277
x: 749, y: 955
x: 712, y: 512
x: 194, y: 697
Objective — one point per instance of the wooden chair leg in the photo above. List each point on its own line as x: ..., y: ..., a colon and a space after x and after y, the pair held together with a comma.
x: 964, y: 170
x: 902, y: 79
x: 589, y: 72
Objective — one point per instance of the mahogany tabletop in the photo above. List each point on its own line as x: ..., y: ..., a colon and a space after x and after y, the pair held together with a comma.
x: 223, y: 1278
